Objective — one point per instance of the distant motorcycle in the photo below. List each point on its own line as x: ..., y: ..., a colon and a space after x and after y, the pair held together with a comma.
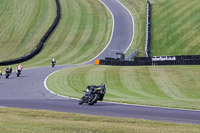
x: 92, y: 95
x: 18, y: 72
x: 53, y: 64
x: 7, y: 74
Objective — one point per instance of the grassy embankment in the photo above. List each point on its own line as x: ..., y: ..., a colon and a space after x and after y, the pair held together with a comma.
x: 84, y: 30
x: 23, y: 121
x: 26, y: 121
x: 175, y: 86
x: 175, y: 27
x: 22, y: 25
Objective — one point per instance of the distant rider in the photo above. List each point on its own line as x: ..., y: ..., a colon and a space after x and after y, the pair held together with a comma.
x: 19, y: 68
x: 9, y: 69
x: 53, y: 62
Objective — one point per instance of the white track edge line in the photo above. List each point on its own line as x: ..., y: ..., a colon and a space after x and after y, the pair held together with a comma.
x: 45, y: 85
x: 89, y: 60
x: 101, y: 53
x: 110, y: 36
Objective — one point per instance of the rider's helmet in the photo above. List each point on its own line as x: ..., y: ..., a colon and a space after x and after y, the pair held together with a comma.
x: 102, y: 84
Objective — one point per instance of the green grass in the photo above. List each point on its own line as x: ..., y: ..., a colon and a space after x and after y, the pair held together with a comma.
x: 83, y: 32
x: 138, y: 10
x: 25, y: 121
x: 175, y: 27
x: 175, y: 86
x: 22, y: 25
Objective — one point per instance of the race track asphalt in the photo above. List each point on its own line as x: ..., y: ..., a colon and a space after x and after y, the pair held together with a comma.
x: 28, y: 90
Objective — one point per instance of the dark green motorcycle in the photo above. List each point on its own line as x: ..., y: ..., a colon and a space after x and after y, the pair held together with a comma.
x: 93, y: 94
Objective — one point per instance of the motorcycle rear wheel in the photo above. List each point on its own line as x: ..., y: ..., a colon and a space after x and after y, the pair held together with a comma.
x: 7, y: 75
x: 18, y: 74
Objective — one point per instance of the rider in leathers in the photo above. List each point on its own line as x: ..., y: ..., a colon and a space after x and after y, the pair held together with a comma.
x: 91, y: 88
x: 53, y: 61
x: 19, y: 68
x: 9, y: 69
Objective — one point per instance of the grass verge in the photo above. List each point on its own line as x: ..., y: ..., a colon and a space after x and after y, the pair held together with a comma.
x: 22, y: 25
x: 175, y: 27
x: 83, y: 32
x: 175, y: 86
x: 23, y: 121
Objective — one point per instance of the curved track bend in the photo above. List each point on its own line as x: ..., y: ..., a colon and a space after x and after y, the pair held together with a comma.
x: 28, y: 91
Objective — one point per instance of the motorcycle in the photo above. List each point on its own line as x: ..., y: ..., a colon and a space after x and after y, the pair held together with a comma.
x: 91, y: 97
x: 18, y: 72
x: 53, y: 64
x: 7, y: 74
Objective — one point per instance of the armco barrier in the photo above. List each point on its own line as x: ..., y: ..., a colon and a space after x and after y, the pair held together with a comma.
x: 39, y: 47
x: 155, y: 60
x: 148, y: 31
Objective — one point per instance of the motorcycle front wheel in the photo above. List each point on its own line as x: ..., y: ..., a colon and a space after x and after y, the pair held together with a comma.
x: 93, y: 99
x: 82, y: 100
x: 52, y: 64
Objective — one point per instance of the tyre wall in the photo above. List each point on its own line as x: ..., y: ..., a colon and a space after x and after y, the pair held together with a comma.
x: 155, y: 60
x: 39, y: 47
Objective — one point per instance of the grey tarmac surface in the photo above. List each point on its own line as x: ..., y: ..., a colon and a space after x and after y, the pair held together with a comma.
x: 122, y: 32
x: 28, y: 91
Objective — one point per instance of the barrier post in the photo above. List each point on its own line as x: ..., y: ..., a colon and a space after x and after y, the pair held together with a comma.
x: 96, y: 62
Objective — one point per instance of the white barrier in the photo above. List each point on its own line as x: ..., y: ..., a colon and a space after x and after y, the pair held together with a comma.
x: 148, y: 30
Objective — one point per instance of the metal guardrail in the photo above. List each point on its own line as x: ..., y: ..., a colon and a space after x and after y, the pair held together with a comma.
x: 148, y: 30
